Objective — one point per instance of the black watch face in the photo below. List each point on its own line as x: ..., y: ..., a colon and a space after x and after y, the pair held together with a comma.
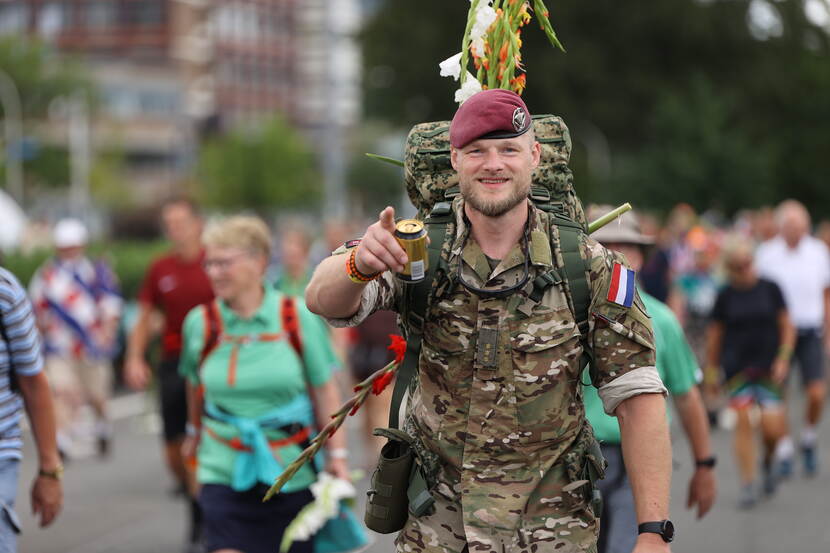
x: 668, y: 531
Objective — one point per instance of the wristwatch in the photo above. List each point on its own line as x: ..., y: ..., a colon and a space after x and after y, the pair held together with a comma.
x: 708, y: 462
x: 663, y: 528
x: 56, y: 473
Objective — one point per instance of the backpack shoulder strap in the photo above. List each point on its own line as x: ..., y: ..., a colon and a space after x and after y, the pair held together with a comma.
x: 212, y: 329
x: 291, y: 323
x: 416, y: 298
x: 574, y: 274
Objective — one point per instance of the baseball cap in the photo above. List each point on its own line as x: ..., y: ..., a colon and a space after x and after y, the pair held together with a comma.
x: 70, y: 233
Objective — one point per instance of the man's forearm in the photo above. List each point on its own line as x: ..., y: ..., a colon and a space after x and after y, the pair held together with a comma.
x: 647, y: 454
x: 37, y: 399
x: 140, y: 335
x: 695, y: 424
x: 330, y: 292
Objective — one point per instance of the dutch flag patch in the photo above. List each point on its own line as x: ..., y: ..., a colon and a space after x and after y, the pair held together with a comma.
x: 621, y: 291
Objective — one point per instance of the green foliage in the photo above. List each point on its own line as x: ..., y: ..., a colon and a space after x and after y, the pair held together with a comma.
x: 39, y: 75
x: 129, y: 260
x: 264, y: 168
x: 693, y: 107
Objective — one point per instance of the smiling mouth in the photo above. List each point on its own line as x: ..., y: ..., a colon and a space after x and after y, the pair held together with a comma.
x: 492, y: 182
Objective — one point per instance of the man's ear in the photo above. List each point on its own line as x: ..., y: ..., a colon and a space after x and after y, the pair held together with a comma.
x: 454, y: 158
x: 536, y: 153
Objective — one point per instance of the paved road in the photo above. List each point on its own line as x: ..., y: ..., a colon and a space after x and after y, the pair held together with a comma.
x: 122, y: 505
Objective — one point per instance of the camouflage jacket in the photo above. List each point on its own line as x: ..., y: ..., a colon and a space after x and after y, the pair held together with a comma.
x: 497, y: 395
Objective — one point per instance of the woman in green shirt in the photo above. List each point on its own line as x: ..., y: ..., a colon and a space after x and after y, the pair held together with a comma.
x: 255, y: 394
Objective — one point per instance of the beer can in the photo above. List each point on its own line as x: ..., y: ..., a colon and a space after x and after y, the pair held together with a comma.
x: 412, y: 236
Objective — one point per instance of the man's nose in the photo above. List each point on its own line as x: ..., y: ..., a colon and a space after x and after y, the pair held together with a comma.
x: 492, y: 160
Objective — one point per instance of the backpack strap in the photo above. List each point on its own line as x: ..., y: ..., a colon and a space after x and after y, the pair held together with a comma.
x: 212, y: 328
x: 291, y: 324
x: 574, y: 274
x: 416, y: 299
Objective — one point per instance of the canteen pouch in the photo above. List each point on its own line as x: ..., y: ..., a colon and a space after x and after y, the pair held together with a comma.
x: 585, y: 466
x: 387, y: 502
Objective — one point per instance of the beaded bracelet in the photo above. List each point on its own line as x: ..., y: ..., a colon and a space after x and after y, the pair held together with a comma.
x: 354, y: 273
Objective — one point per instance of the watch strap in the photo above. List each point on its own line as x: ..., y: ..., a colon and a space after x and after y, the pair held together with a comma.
x: 663, y: 528
x: 708, y: 462
x: 56, y: 473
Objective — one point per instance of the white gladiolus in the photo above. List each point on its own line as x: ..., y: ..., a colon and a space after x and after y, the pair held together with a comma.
x: 327, y: 491
x: 485, y: 15
x: 478, y: 46
x: 470, y: 87
x: 451, y: 67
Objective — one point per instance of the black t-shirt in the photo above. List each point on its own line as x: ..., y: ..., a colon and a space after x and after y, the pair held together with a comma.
x: 750, y: 323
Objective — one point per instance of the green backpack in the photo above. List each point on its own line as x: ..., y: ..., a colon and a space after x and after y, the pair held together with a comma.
x: 432, y: 183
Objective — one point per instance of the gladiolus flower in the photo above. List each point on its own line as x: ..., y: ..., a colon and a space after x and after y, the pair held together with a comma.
x: 397, y: 346
x: 380, y: 383
x: 519, y: 83
x: 471, y: 86
x: 503, y: 52
x: 451, y: 67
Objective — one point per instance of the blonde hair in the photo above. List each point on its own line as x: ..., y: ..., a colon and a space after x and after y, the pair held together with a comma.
x: 245, y: 232
x: 736, y: 246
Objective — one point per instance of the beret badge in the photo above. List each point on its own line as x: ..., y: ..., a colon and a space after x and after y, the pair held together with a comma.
x: 519, y: 119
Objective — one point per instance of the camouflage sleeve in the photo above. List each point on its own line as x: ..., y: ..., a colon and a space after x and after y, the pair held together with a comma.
x: 621, y: 337
x: 380, y: 294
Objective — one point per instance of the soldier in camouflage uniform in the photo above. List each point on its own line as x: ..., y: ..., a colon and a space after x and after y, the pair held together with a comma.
x: 497, y: 398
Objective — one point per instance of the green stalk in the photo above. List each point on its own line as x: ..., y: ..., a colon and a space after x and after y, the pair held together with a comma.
x: 385, y: 159
x: 608, y: 217
x: 465, y: 42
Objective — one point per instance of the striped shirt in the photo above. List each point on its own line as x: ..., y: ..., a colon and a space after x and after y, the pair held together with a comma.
x: 25, y: 350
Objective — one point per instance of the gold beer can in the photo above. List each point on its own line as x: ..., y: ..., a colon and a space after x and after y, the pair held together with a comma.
x: 412, y: 236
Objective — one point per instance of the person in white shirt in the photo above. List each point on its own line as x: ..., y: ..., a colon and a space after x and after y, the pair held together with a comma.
x: 800, y: 265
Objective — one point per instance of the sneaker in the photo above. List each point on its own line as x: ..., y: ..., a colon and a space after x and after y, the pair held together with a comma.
x: 785, y: 468
x: 810, y: 457
x: 747, y: 498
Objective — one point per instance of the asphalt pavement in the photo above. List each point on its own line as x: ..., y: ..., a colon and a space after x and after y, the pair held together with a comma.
x: 123, y: 504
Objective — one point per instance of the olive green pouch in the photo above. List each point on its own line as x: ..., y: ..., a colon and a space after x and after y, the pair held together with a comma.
x: 387, y: 500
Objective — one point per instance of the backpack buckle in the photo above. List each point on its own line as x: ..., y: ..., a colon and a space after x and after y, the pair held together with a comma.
x: 540, y: 194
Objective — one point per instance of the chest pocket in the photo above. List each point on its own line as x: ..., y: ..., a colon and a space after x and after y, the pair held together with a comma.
x: 545, y: 350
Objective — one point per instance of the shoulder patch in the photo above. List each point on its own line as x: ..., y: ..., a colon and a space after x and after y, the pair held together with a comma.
x: 621, y: 290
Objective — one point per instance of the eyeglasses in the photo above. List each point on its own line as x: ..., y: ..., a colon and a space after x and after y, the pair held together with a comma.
x: 222, y: 263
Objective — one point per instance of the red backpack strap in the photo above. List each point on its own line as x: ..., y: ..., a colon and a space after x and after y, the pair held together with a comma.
x: 291, y: 323
x: 212, y: 329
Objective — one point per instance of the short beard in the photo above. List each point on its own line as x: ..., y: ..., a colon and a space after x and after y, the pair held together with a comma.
x: 494, y: 208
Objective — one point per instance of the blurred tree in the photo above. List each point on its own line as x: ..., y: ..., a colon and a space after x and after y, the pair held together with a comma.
x: 39, y: 74
x: 259, y: 168
x: 40, y: 77
x: 695, y: 100
x: 374, y: 184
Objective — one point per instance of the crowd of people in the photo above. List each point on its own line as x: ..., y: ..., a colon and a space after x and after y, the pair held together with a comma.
x: 246, y: 375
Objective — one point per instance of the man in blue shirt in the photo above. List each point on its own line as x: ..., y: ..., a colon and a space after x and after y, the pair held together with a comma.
x: 23, y: 384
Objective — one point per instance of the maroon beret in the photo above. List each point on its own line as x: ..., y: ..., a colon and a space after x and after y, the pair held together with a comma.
x: 495, y: 113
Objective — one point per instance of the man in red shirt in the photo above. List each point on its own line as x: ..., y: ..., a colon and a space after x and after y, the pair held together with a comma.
x: 174, y: 284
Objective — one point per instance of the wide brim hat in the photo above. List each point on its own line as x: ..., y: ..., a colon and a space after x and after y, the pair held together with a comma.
x: 624, y: 230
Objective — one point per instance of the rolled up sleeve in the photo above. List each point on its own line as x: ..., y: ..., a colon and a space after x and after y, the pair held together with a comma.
x: 380, y: 294
x: 643, y: 380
